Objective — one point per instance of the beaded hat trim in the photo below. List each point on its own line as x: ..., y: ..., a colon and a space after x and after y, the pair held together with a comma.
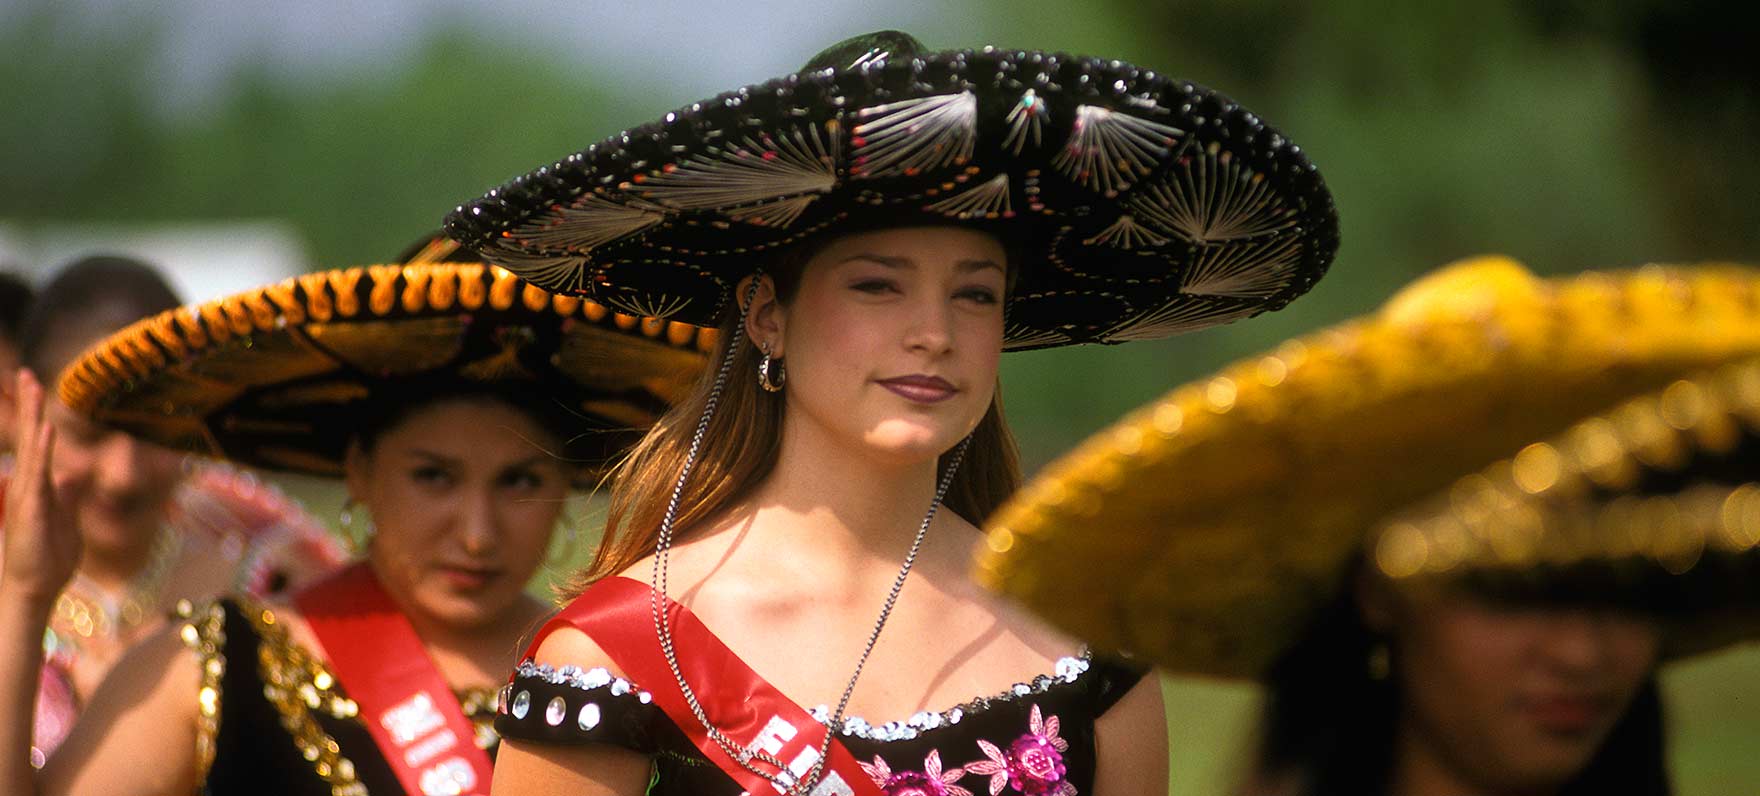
x: 1229, y: 508
x: 1666, y: 487
x: 274, y: 377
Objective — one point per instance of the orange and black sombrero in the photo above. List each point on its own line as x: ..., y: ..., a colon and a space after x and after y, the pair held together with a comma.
x: 278, y: 377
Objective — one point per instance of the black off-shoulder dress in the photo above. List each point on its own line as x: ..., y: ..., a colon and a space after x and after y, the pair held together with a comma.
x: 1037, y: 738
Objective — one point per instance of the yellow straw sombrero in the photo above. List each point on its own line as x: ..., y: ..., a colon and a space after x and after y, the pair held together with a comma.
x: 1225, y: 511
x: 277, y: 377
x: 1657, y: 501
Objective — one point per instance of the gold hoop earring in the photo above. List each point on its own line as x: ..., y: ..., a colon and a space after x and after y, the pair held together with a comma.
x: 764, y: 378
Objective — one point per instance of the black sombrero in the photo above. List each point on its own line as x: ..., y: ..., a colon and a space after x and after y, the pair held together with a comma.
x: 1144, y: 205
x: 278, y: 377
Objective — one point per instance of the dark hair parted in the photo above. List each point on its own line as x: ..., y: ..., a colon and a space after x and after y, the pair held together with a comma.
x: 573, y: 440
x: 86, y: 300
x: 743, y: 441
x: 1330, y: 729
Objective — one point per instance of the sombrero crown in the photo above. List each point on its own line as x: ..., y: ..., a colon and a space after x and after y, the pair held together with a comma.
x: 1143, y: 206
x: 1225, y: 511
x: 279, y: 377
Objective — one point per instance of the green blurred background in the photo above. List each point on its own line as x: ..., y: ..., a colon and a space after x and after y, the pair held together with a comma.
x: 1570, y: 134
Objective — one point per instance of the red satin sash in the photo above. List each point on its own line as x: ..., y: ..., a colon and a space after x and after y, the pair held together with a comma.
x: 405, y: 704
x: 617, y: 613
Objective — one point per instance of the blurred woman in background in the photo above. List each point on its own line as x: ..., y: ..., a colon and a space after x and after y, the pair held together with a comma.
x: 156, y: 528
x: 459, y: 406
x: 1491, y: 644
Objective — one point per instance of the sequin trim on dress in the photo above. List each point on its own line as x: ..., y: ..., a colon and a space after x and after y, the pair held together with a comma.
x: 1068, y: 670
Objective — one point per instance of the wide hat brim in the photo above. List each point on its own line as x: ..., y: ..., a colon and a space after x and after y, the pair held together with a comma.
x: 1655, y: 504
x: 278, y: 377
x: 1142, y: 205
x: 1225, y: 512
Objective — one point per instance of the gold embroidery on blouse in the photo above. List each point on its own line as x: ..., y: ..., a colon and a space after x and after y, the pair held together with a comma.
x: 205, y: 634
x: 296, y: 683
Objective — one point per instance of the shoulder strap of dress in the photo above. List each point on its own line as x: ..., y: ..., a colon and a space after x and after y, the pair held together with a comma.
x: 618, y: 614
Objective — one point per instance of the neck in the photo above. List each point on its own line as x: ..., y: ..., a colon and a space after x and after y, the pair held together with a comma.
x: 837, y: 509
x: 115, y: 570
x: 477, y: 654
x: 1421, y: 768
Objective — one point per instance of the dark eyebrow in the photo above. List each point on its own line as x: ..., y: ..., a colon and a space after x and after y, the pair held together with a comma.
x: 889, y: 262
x: 965, y: 266
x: 529, y: 461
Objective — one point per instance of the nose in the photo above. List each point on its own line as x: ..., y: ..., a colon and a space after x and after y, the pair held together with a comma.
x: 1578, y: 641
x: 931, y: 328
x: 122, y: 464
x: 478, y: 526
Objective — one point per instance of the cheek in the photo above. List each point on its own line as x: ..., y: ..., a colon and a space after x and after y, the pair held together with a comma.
x: 1459, y: 666
x: 528, y: 523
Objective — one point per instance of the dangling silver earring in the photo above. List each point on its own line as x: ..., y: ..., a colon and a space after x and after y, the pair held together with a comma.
x: 357, y: 540
x: 764, y: 379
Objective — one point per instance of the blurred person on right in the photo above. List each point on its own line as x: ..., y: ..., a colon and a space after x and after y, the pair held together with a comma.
x: 1434, y: 609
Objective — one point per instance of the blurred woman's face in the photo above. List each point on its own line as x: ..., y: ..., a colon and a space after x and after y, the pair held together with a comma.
x: 123, y: 486
x: 464, y: 495
x: 893, y: 338
x: 1516, y: 698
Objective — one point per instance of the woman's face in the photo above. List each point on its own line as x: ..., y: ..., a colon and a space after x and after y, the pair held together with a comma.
x: 893, y: 339
x: 1517, y: 697
x: 123, y: 486
x: 464, y: 495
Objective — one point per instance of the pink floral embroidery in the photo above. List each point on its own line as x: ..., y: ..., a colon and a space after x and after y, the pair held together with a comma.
x: 1032, y: 765
x: 931, y: 781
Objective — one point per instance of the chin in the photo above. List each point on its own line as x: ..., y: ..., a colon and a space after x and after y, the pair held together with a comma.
x: 105, y: 533
x: 908, y: 442
x: 465, y: 612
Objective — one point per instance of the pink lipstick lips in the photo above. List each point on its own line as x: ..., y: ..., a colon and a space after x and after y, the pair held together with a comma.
x: 920, y: 388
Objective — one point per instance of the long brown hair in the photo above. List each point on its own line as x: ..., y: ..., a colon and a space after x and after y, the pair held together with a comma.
x: 741, y: 446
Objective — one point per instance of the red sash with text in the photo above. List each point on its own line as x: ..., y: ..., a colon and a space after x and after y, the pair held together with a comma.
x: 618, y: 614
x: 405, y: 704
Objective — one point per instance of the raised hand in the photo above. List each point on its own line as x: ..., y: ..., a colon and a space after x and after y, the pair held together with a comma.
x: 42, y: 542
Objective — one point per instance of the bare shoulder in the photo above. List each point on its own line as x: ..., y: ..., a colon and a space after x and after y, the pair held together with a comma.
x: 138, y: 733
x: 569, y: 646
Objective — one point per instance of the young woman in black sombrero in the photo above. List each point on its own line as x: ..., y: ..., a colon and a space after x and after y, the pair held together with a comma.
x: 459, y: 405
x: 870, y: 234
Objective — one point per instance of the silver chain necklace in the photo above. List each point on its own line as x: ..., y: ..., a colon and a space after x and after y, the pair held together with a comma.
x: 783, y: 778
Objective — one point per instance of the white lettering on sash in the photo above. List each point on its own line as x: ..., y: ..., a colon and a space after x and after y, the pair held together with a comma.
x: 430, y: 747
x: 776, y: 733
x: 412, y: 718
x: 450, y: 777
x: 833, y: 785
x: 770, y: 739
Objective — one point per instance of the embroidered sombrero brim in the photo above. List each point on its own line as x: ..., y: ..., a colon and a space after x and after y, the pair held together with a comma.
x: 278, y: 377
x: 1655, y: 504
x: 1143, y: 205
x: 1227, y: 510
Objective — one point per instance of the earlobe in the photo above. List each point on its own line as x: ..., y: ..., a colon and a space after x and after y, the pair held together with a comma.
x: 764, y: 315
